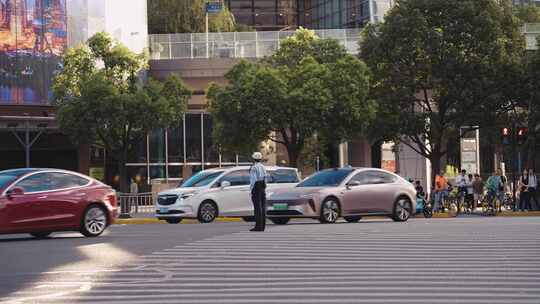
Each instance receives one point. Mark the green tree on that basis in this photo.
(309, 87)
(439, 65)
(186, 16)
(100, 98)
(532, 105)
(528, 13)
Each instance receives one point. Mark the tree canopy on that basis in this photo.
(186, 16)
(309, 87)
(528, 13)
(439, 65)
(100, 98)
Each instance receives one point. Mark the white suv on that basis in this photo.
(218, 192)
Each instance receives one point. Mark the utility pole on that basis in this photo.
(207, 44)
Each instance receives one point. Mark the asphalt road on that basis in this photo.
(459, 260)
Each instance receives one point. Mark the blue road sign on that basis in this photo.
(214, 7)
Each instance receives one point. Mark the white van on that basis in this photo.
(218, 192)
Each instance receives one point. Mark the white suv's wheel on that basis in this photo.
(94, 221)
(207, 212)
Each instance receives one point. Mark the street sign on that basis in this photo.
(214, 7)
(470, 149)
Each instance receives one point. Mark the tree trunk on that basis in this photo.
(293, 154)
(122, 171)
(435, 160)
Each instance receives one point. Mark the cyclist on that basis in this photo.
(419, 189)
(441, 185)
(502, 188)
(493, 186)
(462, 182)
(478, 189)
(469, 198)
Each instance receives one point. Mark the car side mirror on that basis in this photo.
(353, 184)
(225, 184)
(15, 191)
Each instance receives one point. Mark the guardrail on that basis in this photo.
(260, 44)
(136, 203)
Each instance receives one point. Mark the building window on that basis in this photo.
(175, 143)
(180, 151)
(193, 138)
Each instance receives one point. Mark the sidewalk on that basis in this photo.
(147, 218)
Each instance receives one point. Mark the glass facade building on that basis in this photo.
(328, 14)
(314, 14)
(180, 151)
(265, 14)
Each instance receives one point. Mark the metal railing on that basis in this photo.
(260, 44)
(236, 44)
(136, 203)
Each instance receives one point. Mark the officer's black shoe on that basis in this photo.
(256, 229)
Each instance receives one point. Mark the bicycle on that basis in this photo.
(424, 206)
(489, 208)
(451, 203)
(508, 202)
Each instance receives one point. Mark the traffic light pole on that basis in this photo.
(514, 159)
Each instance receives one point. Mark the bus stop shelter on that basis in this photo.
(27, 129)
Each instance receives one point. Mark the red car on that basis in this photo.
(42, 201)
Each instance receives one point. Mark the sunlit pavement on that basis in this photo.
(460, 260)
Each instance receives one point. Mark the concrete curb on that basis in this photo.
(152, 220)
(237, 219)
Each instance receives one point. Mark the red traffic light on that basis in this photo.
(522, 135)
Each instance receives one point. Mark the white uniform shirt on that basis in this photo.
(257, 173)
(532, 181)
(462, 181)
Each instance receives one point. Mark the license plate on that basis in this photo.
(163, 210)
(281, 207)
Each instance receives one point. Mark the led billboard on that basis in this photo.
(33, 35)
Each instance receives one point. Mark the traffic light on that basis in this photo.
(505, 135)
(522, 135)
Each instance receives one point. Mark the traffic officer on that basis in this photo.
(257, 184)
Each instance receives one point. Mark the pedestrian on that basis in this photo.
(523, 193)
(478, 189)
(133, 187)
(531, 188)
(441, 185)
(257, 184)
(133, 190)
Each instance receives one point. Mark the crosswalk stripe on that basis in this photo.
(385, 263)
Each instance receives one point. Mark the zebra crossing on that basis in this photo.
(462, 260)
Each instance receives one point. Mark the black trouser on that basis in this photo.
(532, 196)
(258, 197)
(524, 200)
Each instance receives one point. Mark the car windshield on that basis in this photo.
(201, 179)
(326, 178)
